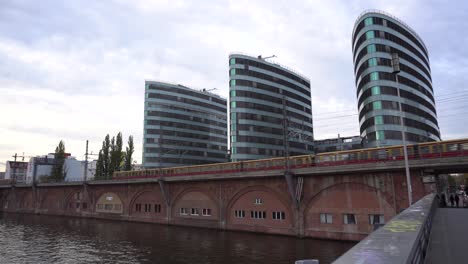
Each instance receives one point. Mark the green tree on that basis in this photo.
(128, 154)
(58, 170)
(99, 167)
(103, 162)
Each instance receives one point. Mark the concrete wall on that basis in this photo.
(360, 194)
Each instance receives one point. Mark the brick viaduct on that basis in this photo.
(247, 202)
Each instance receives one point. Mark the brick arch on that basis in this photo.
(8, 199)
(271, 199)
(148, 196)
(26, 201)
(200, 199)
(341, 198)
(116, 204)
(51, 200)
(71, 201)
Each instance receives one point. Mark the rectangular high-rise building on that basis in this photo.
(183, 126)
(270, 108)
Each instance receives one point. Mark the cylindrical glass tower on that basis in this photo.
(376, 35)
(263, 97)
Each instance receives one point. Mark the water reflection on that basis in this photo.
(49, 239)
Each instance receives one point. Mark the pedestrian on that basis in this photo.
(452, 200)
(457, 199)
(443, 202)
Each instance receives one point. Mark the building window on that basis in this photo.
(349, 219)
(375, 90)
(233, 82)
(77, 205)
(85, 205)
(376, 105)
(138, 207)
(258, 214)
(108, 207)
(157, 208)
(371, 48)
(233, 71)
(278, 215)
(375, 219)
(372, 62)
(380, 135)
(326, 218)
(233, 93)
(195, 211)
(239, 213)
(232, 61)
(99, 206)
(233, 104)
(374, 76)
(258, 201)
(368, 21)
(206, 212)
(147, 208)
(370, 34)
(233, 150)
(378, 120)
(183, 211)
(233, 138)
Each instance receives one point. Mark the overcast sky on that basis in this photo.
(75, 70)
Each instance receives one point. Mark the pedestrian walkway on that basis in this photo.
(449, 236)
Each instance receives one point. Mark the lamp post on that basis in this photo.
(396, 69)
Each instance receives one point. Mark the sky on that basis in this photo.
(75, 70)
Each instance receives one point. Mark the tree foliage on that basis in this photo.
(58, 170)
(112, 158)
(128, 154)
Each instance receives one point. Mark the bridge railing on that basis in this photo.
(402, 240)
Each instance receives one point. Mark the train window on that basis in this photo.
(464, 146)
(424, 150)
(452, 147)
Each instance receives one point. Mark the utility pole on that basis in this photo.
(396, 69)
(86, 163)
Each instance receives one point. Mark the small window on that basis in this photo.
(233, 104)
(183, 211)
(375, 90)
(99, 206)
(85, 205)
(233, 82)
(326, 218)
(380, 135)
(233, 72)
(278, 215)
(370, 34)
(258, 201)
(233, 138)
(375, 219)
(233, 93)
(195, 211)
(349, 219)
(374, 76)
(378, 120)
(372, 62)
(108, 207)
(239, 213)
(232, 61)
(206, 212)
(157, 208)
(376, 105)
(367, 22)
(371, 48)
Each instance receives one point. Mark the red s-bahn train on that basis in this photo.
(429, 150)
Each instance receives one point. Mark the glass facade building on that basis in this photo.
(376, 35)
(263, 96)
(183, 126)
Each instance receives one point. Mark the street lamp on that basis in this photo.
(396, 69)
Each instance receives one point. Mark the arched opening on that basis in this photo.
(148, 204)
(109, 203)
(195, 205)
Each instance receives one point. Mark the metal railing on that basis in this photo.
(402, 240)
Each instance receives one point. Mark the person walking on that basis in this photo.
(457, 199)
(452, 200)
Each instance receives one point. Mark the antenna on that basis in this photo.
(268, 57)
(207, 90)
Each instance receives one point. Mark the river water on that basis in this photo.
(26, 238)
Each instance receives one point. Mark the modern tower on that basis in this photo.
(183, 126)
(270, 110)
(376, 36)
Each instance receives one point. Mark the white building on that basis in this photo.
(41, 166)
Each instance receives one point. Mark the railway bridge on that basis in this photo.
(334, 201)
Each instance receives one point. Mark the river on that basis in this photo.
(26, 238)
